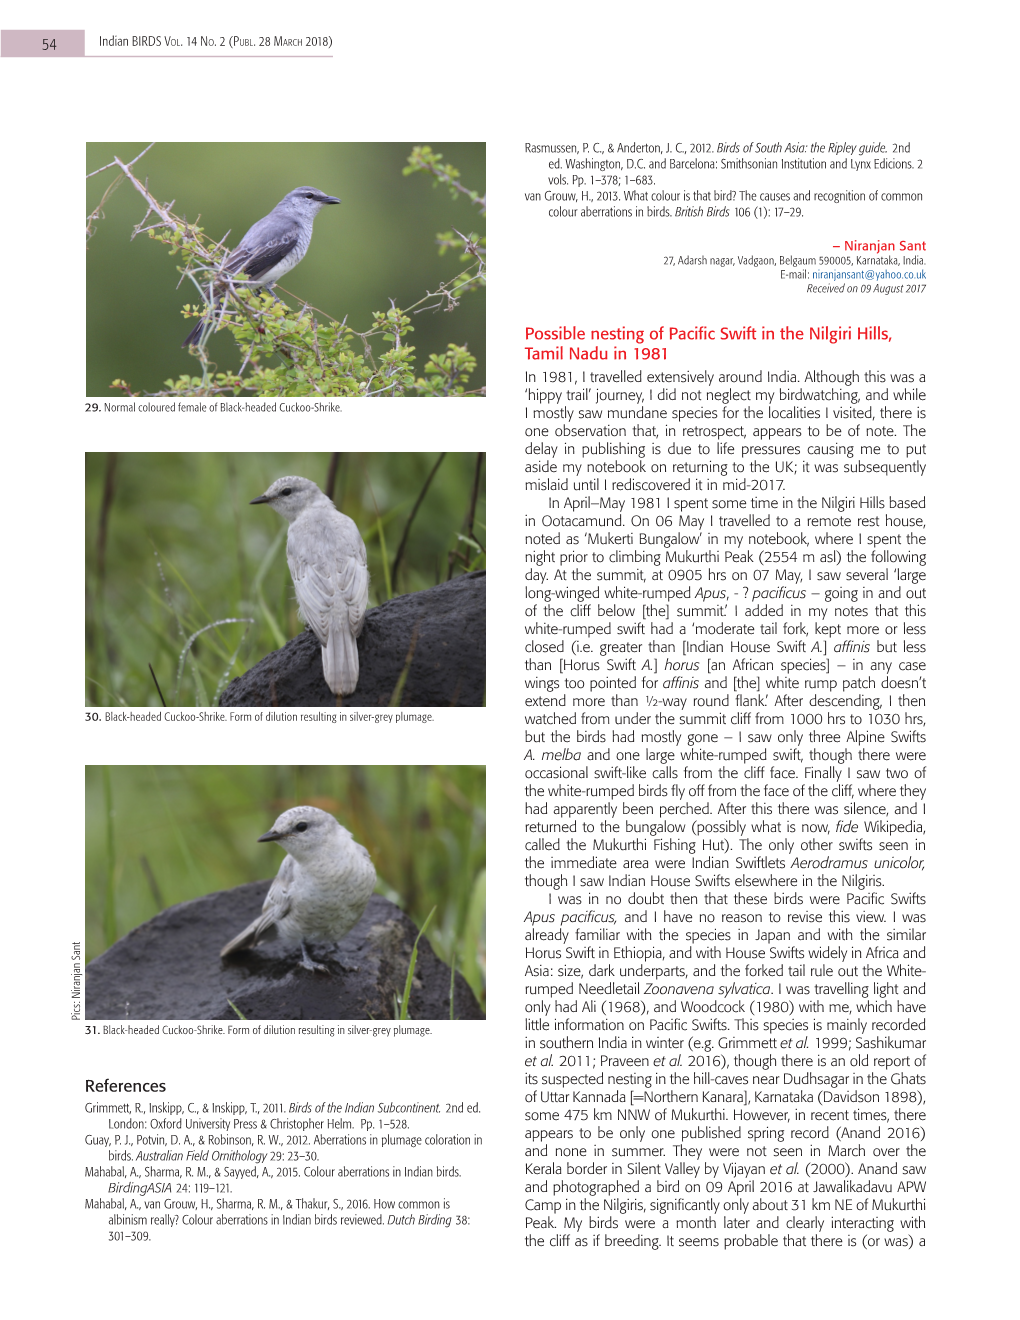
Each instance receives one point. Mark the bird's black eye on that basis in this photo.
(300, 827)
(288, 491)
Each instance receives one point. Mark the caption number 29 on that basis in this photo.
(92, 407)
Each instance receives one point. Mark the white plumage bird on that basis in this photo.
(329, 566)
(320, 891)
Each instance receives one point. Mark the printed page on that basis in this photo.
(726, 1034)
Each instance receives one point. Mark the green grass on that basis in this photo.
(183, 574)
(402, 1008)
(157, 835)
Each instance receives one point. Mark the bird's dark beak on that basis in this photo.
(272, 836)
(262, 499)
(331, 201)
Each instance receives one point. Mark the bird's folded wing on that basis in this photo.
(257, 254)
(314, 590)
(276, 906)
(352, 583)
(321, 590)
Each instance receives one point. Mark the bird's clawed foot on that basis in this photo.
(335, 961)
(309, 963)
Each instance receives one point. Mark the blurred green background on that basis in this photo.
(377, 245)
(157, 835)
(172, 545)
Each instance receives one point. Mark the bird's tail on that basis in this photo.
(198, 330)
(245, 940)
(340, 660)
(196, 334)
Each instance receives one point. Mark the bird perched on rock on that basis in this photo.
(320, 890)
(271, 248)
(329, 566)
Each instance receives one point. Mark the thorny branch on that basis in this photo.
(444, 176)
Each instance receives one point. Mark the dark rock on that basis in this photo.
(446, 624)
(170, 968)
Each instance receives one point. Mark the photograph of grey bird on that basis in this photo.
(271, 248)
(320, 890)
(329, 566)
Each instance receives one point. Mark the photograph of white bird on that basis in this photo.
(329, 565)
(320, 891)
